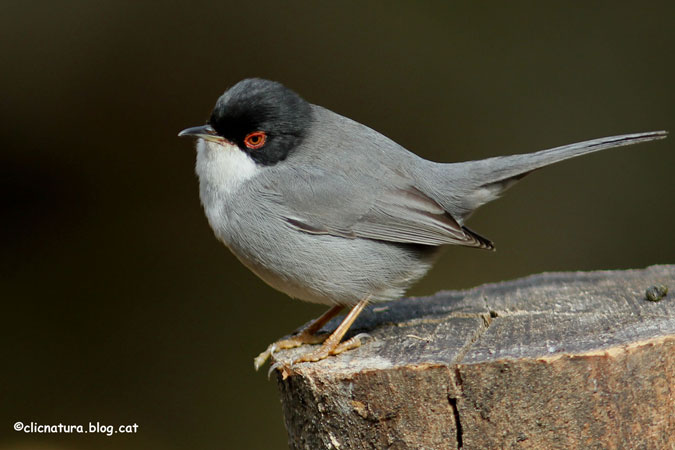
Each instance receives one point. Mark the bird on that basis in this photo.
(330, 211)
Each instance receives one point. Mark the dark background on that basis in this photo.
(119, 306)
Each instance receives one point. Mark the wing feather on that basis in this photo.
(401, 214)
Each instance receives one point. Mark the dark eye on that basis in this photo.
(255, 140)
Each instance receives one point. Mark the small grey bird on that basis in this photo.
(330, 211)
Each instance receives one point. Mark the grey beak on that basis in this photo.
(204, 132)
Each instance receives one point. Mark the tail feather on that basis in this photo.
(484, 180)
(505, 167)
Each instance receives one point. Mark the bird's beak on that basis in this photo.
(205, 132)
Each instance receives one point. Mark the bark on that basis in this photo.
(556, 360)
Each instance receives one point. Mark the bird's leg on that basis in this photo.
(306, 336)
(332, 345)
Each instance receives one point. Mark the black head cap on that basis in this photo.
(254, 105)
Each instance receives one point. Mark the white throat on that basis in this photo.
(224, 166)
(222, 169)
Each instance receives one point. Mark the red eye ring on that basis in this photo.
(255, 140)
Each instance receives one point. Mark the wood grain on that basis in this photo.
(556, 360)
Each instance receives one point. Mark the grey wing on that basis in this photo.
(360, 205)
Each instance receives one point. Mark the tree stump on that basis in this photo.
(556, 360)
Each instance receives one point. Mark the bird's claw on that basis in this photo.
(284, 368)
(260, 360)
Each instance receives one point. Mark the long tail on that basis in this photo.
(482, 181)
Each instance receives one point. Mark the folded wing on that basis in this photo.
(357, 206)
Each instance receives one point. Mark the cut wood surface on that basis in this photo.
(556, 360)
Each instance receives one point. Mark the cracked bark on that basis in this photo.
(458, 422)
(558, 360)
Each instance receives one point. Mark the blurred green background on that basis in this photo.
(119, 305)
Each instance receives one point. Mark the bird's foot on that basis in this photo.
(330, 349)
(323, 352)
(331, 345)
(284, 344)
